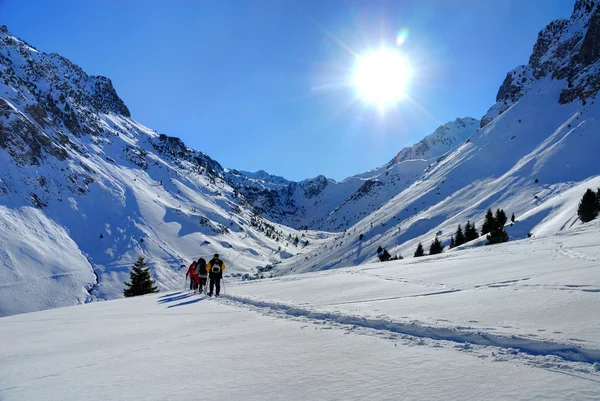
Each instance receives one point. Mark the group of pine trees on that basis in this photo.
(589, 206)
(493, 226)
(462, 237)
(385, 256)
(435, 248)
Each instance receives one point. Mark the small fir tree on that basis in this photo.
(385, 256)
(497, 236)
(512, 218)
(488, 222)
(436, 247)
(470, 232)
(379, 250)
(588, 206)
(140, 280)
(500, 219)
(420, 251)
(360, 237)
(459, 237)
(452, 243)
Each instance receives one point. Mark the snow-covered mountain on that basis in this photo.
(443, 139)
(324, 204)
(85, 189)
(534, 155)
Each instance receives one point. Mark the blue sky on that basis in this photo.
(261, 84)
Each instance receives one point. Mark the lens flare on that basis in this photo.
(402, 36)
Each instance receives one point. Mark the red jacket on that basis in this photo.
(191, 270)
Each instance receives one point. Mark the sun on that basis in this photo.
(382, 77)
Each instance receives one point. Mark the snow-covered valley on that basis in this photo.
(517, 321)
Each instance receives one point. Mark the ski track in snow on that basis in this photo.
(563, 358)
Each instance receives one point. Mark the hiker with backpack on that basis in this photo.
(191, 272)
(215, 273)
(201, 273)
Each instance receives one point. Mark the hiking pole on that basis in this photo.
(185, 280)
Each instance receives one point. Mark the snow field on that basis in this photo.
(179, 346)
(516, 321)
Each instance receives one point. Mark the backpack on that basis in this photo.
(201, 267)
(215, 266)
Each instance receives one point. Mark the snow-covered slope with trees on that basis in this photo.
(84, 189)
(83, 181)
(537, 142)
(324, 204)
(517, 321)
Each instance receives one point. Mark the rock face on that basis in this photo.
(566, 50)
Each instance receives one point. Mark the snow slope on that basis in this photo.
(39, 264)
(517, 324)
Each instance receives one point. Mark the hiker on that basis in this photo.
(215, 272)
(201, 273)
(191, 272)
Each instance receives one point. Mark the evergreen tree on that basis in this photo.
(385, 256)
(470, 232)
(588, 206)
(500, 219)
(512, 218)
(488, 222)
(459, 236)
(497, 236)
(436, 247)
(379, 250)
(419, 251)
(452, 243)
(141, 280)
(498, 233)
(360, 237)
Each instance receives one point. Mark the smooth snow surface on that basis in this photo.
(517, 321)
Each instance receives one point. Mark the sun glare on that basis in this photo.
(382, 77)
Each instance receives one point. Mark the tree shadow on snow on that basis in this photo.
(175, 298)
(193, 301)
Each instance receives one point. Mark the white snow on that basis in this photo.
(40, 265)
(517, 321)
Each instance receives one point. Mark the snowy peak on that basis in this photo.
(57, 84)
(260, 178)
(443, 139)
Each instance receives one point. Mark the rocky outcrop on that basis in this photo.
(563, 51)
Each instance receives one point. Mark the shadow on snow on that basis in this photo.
(192, 301)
